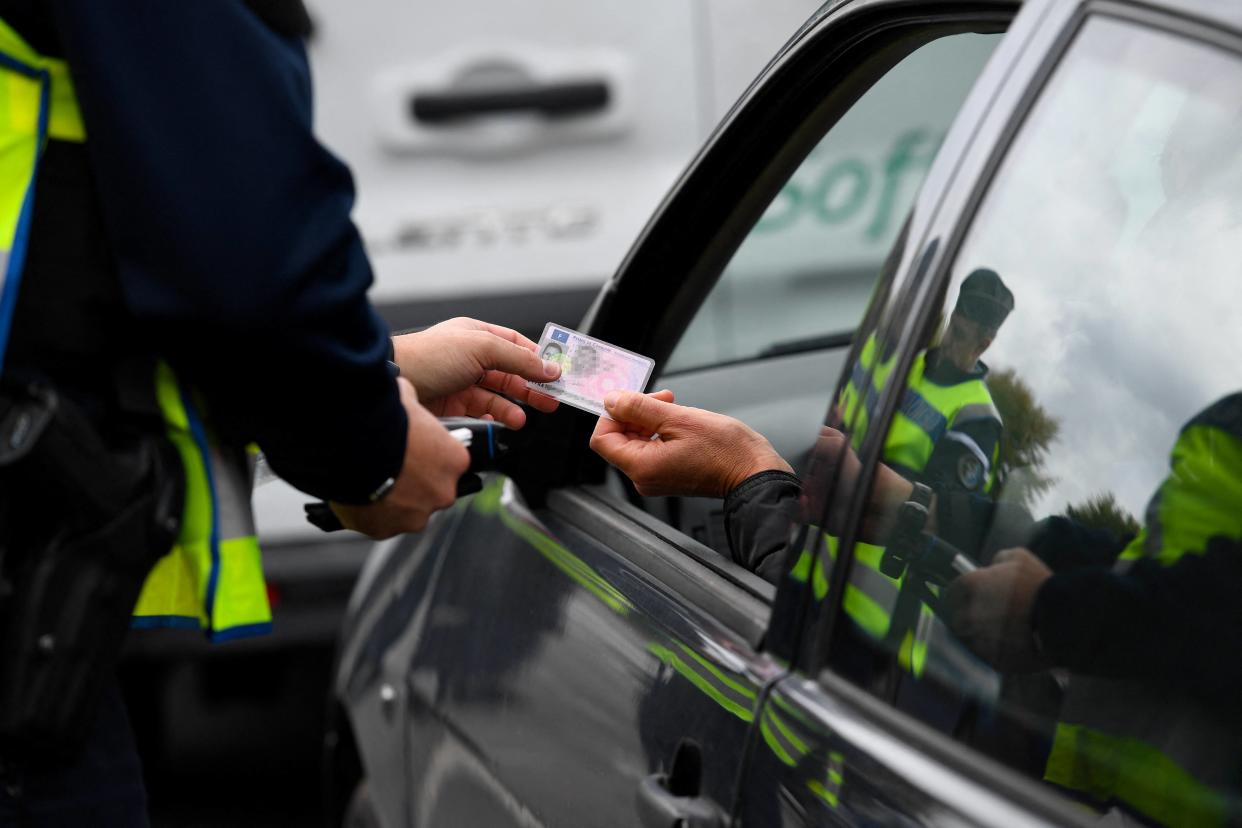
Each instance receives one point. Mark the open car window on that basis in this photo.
(1063, 599)
(769, 341)
(802, 277)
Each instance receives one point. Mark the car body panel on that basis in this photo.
(578, 648)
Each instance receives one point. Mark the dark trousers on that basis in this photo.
(99, 786)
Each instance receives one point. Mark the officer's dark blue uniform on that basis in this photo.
(201, 222)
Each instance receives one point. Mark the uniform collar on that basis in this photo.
(944, 372)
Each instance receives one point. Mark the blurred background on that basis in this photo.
(506, 156)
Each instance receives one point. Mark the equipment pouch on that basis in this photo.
(82, 521)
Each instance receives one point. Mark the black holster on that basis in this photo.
(83, 518)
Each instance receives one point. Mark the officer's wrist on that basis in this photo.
(372, 473)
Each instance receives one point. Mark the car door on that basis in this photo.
(557, 650)
(617, 672)
(1119, 281)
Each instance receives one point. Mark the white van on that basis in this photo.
(506, 154)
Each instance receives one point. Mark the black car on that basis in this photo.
(557, 650)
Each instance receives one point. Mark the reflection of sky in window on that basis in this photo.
(1126, 285)
(807, 268)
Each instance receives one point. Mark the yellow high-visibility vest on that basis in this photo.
(212, 577)
(927, 411)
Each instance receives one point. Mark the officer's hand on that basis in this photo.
(693, 453)
(462, 367)
(433, 463)
(990, 610)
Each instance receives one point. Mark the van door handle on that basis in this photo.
(552, 100)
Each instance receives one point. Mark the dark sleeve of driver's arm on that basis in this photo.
(230, 224)
(759, 514)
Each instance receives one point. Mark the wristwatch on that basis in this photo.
(922, 495)
(381, 490)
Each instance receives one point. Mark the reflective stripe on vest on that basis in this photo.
(928, 411)
(1157, 750)
(212, 578)
(862, 391)
(36, 101)
(871, 596)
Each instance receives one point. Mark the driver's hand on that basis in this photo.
(669, 449)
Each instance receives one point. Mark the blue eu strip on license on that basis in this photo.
(590, 368)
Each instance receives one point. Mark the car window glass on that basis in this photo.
(803, 276)
(1067, 603)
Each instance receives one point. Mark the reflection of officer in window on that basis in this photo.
(947, 402)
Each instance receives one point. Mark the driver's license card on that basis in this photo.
(590, 368)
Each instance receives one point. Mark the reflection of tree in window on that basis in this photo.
(1102, 511)
(1029, 430)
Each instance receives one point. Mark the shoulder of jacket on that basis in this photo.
(285, 17)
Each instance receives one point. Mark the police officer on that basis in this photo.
(947, 430)
(945, 434)
(179, 264)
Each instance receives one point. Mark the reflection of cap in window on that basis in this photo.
(984, 298)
